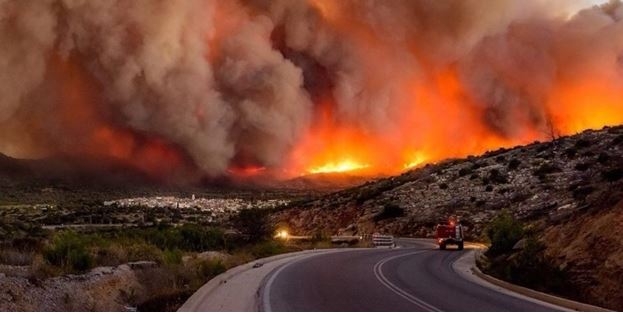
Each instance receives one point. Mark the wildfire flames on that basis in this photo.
(289, 88)
(345, 165)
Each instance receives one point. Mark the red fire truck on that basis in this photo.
(450, 233)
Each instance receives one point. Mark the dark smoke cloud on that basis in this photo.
(238, 82)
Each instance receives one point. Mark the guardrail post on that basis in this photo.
(381, 240)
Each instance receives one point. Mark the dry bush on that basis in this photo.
(238, 258)
(10, 256)
(143, 252)
(168, 286)
(112, 255)
(40, 269)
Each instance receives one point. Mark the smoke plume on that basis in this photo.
(297, 86)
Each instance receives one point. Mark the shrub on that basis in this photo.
(254, 224)
(464, 171)
(503, 232)
(15, 257)
(268, 248)
(172, 257)
(531, 268)
(612, 175)
(603, 158)
(583, 166)
(520, 196)
(68, 251)
(581, 192)
(513, 164)
(570, 152)
(390, 211)
(443, 186)
(477, 165)
(211, 268)
(588, 153)
(545, 169)
(141, 251)
(319, 236)
(197, 238)
(114, 254)
(582, 143)
(497, 177)
(543, 147)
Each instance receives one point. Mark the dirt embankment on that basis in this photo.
(128, 287)
(102, 289)
(588, 248)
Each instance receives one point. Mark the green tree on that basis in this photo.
(254, 224)
(504, 231)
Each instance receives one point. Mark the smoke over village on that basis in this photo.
(288, 88)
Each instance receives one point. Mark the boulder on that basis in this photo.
(520, 245)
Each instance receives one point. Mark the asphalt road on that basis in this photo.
(417, 278)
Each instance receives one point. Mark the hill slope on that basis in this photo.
(569, 191)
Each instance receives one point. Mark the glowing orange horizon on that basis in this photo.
(343, 166)
(440, 123)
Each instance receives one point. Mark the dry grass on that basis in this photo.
(15, 257)
(40, 269)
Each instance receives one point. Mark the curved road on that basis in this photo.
(417, 278)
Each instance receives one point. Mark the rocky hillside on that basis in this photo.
(569, 191)
(549, 182)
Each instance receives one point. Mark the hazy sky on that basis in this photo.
(590, 2)
(582, 4)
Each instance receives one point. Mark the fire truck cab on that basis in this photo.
(450, 233)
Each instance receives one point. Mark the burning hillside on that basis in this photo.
(286, 88)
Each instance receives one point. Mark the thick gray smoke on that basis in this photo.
(240, 82)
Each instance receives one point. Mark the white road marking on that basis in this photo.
(265, 306)
(265, 292)
(378, 272)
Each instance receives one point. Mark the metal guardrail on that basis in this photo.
(382, 240)
(345, 239)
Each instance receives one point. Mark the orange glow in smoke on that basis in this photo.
(248, 171)
(97, 137)
(435, 118)
(441, 122)
(587, 104)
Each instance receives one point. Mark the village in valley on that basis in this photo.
(137, 211)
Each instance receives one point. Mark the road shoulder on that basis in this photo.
(466, 267)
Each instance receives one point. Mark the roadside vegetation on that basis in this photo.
(517, 255)
(170, 261)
